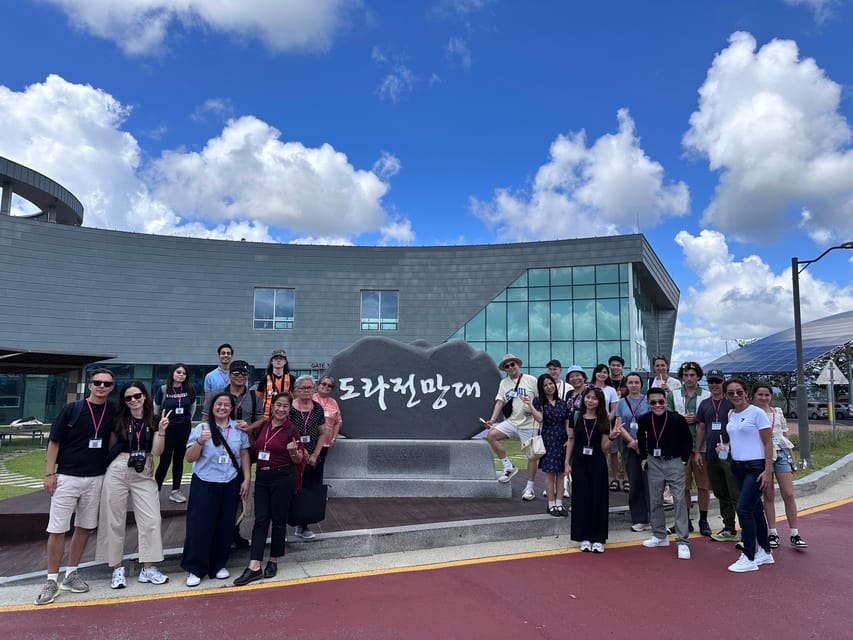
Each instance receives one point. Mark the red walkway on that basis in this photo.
(629, 592)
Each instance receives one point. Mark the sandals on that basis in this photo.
(614, 485)
(626, 486)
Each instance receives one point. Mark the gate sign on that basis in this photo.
(390, 390)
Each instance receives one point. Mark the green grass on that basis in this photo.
(825, 449)
(513, 451)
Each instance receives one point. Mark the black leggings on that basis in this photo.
(173, 453)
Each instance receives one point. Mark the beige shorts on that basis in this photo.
(511, 431)
(75, 495)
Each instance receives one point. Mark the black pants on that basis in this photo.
(273, 492)
(174, 450)
(211, 510)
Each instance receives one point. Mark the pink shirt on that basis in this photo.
(331, 411)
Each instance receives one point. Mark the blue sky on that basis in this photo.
(721, 130)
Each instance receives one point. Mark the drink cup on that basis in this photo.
(723, 452)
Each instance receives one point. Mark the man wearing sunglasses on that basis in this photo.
(74, 473)
(665, 447)
(519, 391)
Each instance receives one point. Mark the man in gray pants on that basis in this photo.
(665, 447)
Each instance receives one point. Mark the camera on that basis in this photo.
(136, 461)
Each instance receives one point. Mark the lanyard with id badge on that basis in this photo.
(656, 452)
(264, 454)
(716, 425)
(96, 442)
(587, 450)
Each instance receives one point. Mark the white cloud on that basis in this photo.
(822, 9)
(399, 79)
(397, 231)
(245, 183)
(458, 8)
(769, 122)
(586, 191)
(457, 49)
(737, 299)
(141, 27)
(219, 107)
(387, 166)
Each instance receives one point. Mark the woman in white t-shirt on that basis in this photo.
(752, 465)
(783, 468)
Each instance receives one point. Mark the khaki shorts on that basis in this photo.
(511, 431)
(697, 473)
(75, 494)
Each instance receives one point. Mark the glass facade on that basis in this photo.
(579, 315)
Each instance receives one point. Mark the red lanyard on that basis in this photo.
(138, 434)
(176, 391)
(589, 432)
(632, 408)
(716, 409)
(271, 434)
(662, 429)
(92, 413)
(223, 375)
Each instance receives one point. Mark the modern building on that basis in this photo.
(149, 301)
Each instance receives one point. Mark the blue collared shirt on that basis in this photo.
(208, 467)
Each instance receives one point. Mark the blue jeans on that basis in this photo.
(750, 509)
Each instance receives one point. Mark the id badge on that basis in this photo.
(223, 459)
(96, 443)
(179, 411)
(716, 426)
(305, 439)
(263, 455)
(656, 453)
(587, 451)
(326, 414)
(633, 426)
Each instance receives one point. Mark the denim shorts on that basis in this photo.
(784, 462)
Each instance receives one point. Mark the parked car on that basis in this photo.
(843, 411)
(816, 411)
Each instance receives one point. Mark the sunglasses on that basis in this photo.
(654, 403)
(325, 384)
(735, 394)
(133, 396)
(242, 374)
(510, 365)
(101, 383)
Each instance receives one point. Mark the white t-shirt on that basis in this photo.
(521, 417)
(611, 397)
(743, 433)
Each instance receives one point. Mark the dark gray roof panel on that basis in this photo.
(777, 353)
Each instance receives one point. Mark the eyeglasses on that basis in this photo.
(102, 383)
(133, 396)
(305, 388)
(654, 403)
(242, 374)
(735, 393)
(222, 405)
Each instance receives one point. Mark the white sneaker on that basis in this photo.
(528, 494)
(683, 552)
(152, 575)
(762, 557)
(193, 580)
(743, 564)
(222, 574)
(654, 541)
(177, 496)
(586, 546)
(118, 581)
(507, 475)
(597, 547)
(640, 526)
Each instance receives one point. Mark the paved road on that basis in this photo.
(629, 592)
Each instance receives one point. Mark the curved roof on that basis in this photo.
(55, 202)
(777, 353)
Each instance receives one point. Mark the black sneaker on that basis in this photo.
(248, 575)
(705, 528)
(690, 526)
(773, 540)
(271, 569)
(798, 543)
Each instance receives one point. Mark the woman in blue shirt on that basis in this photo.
(628, 410)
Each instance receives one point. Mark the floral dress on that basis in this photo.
(554, 435)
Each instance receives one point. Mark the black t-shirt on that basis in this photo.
(181, 403)
(75, 457)
(246, 406)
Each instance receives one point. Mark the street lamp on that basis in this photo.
(802, 401)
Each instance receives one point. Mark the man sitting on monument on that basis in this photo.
(517, 390)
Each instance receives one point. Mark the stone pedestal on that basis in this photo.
(413, 469)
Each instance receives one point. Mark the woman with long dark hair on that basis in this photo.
(278, 476)
(586, 461)
(219, 453)
(751, 454)
(178, 397)
(552, 413)
(631, 407)
(134, 441)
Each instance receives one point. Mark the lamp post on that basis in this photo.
(802, 401)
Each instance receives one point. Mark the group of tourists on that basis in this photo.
(101, 455)
(666, 440)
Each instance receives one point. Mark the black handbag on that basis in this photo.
(507, 408)
(308, 506)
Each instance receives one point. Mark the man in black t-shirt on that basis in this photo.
(74, 473)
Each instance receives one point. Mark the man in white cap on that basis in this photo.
(517, 390)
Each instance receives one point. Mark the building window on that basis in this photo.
(379, 310)
(274, 308)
